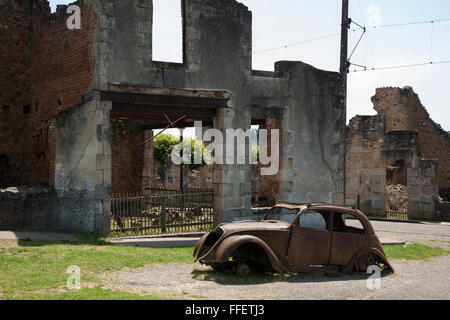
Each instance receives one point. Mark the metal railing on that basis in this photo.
(397, 205)
(162, 211)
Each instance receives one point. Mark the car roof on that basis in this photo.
(323, 206)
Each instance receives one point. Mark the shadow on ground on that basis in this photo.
(83, 239)
(227, 277)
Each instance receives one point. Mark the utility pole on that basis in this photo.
(345, 25)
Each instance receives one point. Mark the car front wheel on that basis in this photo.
(243, 269)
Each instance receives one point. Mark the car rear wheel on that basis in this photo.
(364, 261)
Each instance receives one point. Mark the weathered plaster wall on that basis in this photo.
(217, 55)
(305, 101)
(83, 166)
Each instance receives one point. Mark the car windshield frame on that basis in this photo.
(294, 208)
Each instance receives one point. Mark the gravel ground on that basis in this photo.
(424, 279)
(413, 280)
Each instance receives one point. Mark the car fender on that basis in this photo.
(230, 244)
(199, 244)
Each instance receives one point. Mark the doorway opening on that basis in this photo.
(265, 188)
(150, 195)
(396, 190)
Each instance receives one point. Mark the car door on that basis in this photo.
(348, 236)
(310, 241)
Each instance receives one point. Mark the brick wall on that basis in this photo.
(15, 85)
(48, 68)
(127, 155)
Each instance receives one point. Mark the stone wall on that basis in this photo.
(443, 211)
(422, 190)
(217, 55)
(387, 148)
(169, 177)
(404, 111)
(114, 47)
(365, 172)
(30, 208)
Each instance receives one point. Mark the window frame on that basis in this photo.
(364, 228)
(327, 224)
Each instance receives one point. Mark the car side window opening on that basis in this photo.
(313, 220)
(347, 223)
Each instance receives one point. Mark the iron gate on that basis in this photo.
(396, 204)
(162, 211)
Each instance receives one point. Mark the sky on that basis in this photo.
(277, 23)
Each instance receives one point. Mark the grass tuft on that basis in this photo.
(414, 251)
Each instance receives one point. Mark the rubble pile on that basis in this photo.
(397, 198)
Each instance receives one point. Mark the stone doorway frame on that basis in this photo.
(155, 103)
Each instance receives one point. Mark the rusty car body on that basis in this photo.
(317, 235)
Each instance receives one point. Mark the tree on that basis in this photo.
(164, 143)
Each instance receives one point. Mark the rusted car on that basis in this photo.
(295, 238)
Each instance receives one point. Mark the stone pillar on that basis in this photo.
(147, 170)
(287, 173)
(83, 167)
(231, 188)
(422, 190)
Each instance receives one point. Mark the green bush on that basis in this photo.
(162, 147)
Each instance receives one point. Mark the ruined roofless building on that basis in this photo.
(402, 146)
(62, 92)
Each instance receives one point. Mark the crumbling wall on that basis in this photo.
(404, 111)
(306, 102)
(217, 51)
(385, 149)
(48, 69)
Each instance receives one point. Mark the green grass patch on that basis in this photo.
(35, 266)
(86, 294)
(414, 251)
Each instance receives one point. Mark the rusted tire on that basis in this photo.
(243, 270)
(364, 261)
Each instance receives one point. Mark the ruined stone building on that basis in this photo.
(401, 145)
(75, 104)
